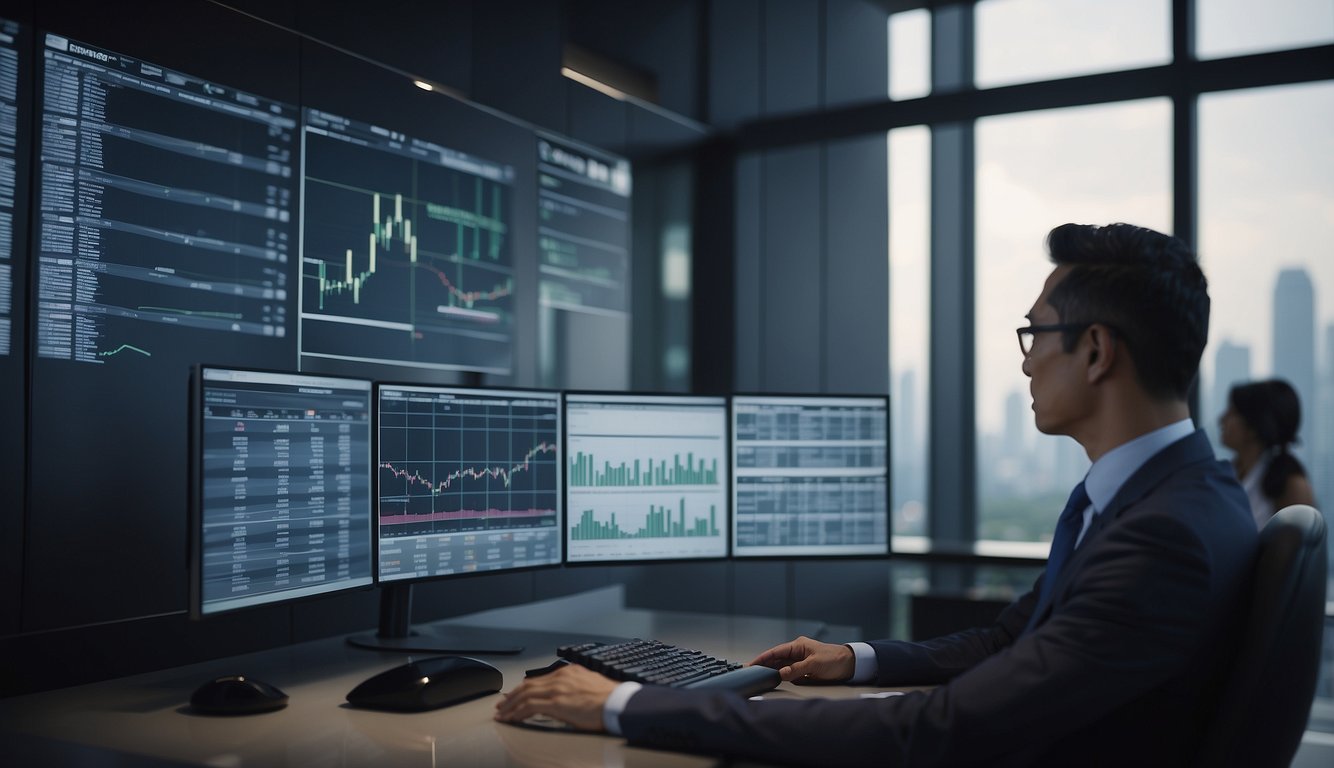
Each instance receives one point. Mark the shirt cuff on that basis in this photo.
(867, 666)
(615, 705)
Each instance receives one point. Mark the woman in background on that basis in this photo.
(1259, 425)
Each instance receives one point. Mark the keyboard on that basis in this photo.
(655, 663)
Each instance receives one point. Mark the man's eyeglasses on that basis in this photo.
(1026, 334)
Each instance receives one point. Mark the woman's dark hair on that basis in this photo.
(1273, 411)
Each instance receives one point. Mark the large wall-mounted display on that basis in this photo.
(274, 204)
(407, 250)
(167, 207)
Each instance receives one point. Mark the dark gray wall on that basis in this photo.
(805, 251)
(811, 250)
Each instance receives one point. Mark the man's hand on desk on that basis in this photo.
(809, 661)
(572, 693)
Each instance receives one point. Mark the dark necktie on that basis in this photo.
(1063, 541)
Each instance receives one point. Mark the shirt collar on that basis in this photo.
(1115, 467)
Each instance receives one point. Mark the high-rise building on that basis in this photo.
(1232, 365)
(1319, 432)
(1294, 341)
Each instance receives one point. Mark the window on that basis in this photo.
(909, 324)
(1266, 227)
(1233, 27)
(910, 54)
(1089, 165)
(1021, 41)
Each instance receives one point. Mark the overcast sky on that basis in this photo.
(1266, 168)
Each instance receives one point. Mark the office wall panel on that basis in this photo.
(761, 588)
(749, 245)
(428, 40)
(596, 118)
(793, 58)
(516, 63)
(16, 159)
(734, 61)
(681, 587)
(106, 528)
(660, 39)
(856, 52)
(791, 275)
(852, 592)
(856, 292)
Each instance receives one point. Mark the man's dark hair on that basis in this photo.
(1147, 287)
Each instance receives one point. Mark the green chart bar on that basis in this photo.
(642, 473)
(658, 525)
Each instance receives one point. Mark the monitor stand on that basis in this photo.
(396, 633)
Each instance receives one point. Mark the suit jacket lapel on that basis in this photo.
(1188, 450)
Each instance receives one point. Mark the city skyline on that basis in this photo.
(1018, 462)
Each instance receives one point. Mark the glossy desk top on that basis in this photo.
(145, 719)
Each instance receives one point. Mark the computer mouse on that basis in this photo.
(427, 684)
(236, 695)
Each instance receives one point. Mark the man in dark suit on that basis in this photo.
(1113, 655)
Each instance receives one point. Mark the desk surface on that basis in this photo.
(144, 719)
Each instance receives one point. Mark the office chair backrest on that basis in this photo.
(1266, 698)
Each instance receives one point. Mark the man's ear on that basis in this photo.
(1103, 351)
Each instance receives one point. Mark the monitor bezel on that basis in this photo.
(889, 470)
(727, 483)
(375, 478)
(195, 490)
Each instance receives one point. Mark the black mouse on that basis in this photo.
(426, 684)
(236, 695)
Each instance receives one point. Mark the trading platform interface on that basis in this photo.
(167, 208)
(469, 480)
(584, 232)
(810, 476)
(646, 477)
(285, 498)
(406, 250)
(9, 128)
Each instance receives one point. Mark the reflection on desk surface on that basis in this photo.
(144, 719)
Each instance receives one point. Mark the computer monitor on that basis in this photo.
(403, 234)
(810, 476)
(281, 488)
(646, 477)
(468, 481)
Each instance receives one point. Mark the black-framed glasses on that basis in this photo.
(1027, 333)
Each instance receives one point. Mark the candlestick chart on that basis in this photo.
(406, 254)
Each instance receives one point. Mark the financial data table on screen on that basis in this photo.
(285, 476)
(646, 477)
(469, 480)
(810, 476)
(584, 233)
(167, 208)
(10, 67)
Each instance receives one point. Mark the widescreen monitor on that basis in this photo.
(810, 476)
(646, 477)
(282, 488)
(468, 481)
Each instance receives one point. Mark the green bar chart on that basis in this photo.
(646, 477)
(585, 472)
(660, 522)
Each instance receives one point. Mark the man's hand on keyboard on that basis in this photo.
(572, 694)
(809, 661)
